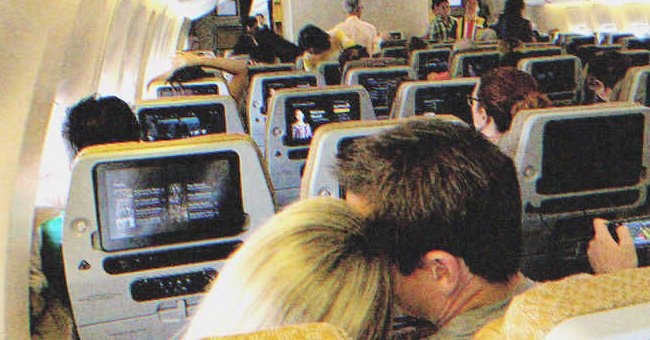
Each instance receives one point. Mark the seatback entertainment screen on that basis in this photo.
(270, 85)
(432, 62)
(591, 154)
(445, 100)
(475, 66)
(188, 90)
(176, 122)
(163, 201)
(555, 76)
(382, 87)
(304, 115)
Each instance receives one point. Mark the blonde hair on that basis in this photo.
(309, 263)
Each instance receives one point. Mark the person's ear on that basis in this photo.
(445, 269)
(481, 118)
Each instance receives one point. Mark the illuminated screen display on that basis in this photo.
(640, 231)
(270, 85)
(445, 100)
(171, 200)
(592, 153)
(188, 90)
(432, 62)
(475, 66)
(178, 122)
(304, 115)
(555, 76)
(382, 88)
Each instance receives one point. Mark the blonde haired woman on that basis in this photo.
(309, 263)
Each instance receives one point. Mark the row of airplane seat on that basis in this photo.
(138, 257)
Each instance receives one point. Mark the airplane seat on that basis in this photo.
(319, 178)
(262, 87)
(473, 63)
(265, 68)
(318, 330)
(635, 87)
(394, 43)
(604, 306)
(370, 62)
(637, 57)
(431, 60)
(331, 72)
(184, 117)
(426, 98)
(587, 52)
(148, 226)
(199, 87)
(537, 51)
(559, 77)
(572, 43)
(573, 164)
(381, 84)
(400, 52)
(295, 115)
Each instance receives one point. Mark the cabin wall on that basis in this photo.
(596, 16)
(54, 53)
(412, 20)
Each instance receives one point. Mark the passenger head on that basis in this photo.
(311, 262)
(249, 24)
(314, 40)
(99, 121)
(187, 73)
(440, 7)
(604, 71)
(501, 94)
(437, 186)
(514, 7)
(353, 7)
(355, 52)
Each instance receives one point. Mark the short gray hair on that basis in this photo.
(352, 6)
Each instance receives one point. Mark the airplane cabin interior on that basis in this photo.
(146, 226)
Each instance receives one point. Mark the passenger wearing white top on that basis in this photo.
(363, 33)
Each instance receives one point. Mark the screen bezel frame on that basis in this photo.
(142, 113)
(288, 140)
(166, 239)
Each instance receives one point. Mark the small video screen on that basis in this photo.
(269, 86)
(305, 115)
(555, 76)
(592, 154)
(475, 66)
(382, 87)
(178, 122)
(450, 100)
(429, 62)
(188, 90)
(168, 200)
(396, 52)
(640, 231)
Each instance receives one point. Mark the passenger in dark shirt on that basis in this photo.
(512, 24)
(264, 45)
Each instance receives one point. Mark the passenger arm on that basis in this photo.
(238, 68)
(605, 254)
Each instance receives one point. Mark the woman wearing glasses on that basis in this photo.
(501, 94)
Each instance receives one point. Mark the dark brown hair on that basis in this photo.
(505, 90)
